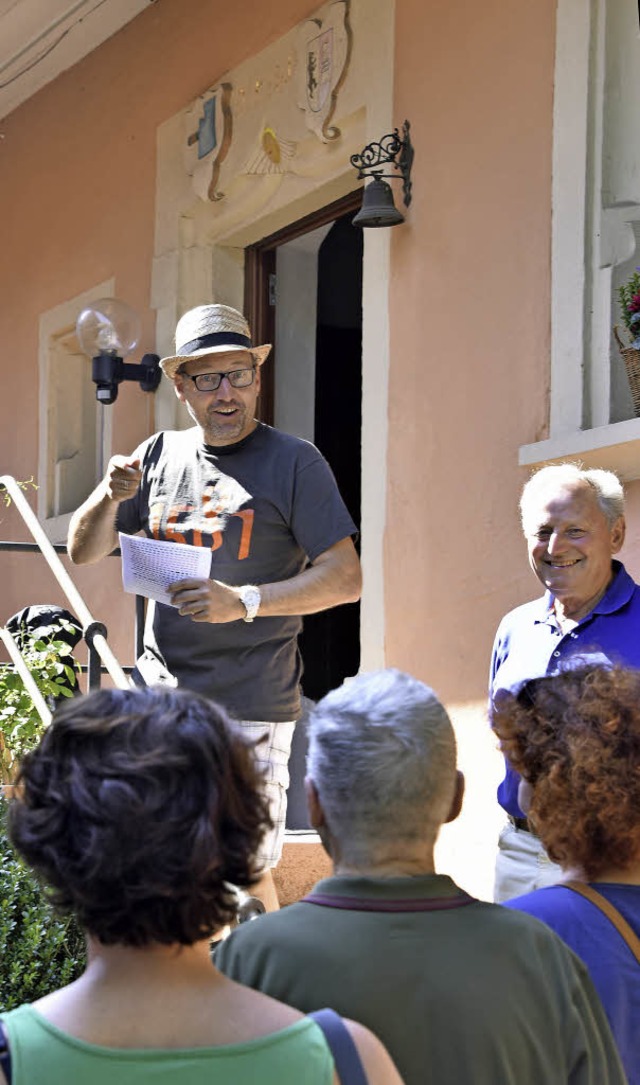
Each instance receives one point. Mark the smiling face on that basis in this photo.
(228, 414)
(571, 544)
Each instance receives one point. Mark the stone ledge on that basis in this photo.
(615, 447)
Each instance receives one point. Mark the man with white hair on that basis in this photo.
(267, 507)
(573, 522)
(460, 991)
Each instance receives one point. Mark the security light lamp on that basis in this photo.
(108, 330)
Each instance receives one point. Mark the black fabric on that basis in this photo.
(522, 824)
(43, 621)
(40, 618)
(214, 339)
(5, 1054)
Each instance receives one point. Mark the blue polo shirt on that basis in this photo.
(529, 644)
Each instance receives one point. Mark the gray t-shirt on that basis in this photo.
(265, 506)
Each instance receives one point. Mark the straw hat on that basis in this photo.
(211, 329)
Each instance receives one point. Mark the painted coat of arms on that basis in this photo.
(324, 45)
(209, 131)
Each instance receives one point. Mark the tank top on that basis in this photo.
(40, 1052)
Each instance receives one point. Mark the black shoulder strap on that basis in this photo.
(345, 1053)
(5, 1054)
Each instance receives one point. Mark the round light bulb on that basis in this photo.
(108, 326)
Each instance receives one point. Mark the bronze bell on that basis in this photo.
(378, 208)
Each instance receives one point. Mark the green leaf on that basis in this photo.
(39, 950)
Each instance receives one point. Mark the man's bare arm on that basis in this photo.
(92, 531)
(333, 578)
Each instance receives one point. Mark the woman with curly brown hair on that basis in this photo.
(140, 809)
(575, 739)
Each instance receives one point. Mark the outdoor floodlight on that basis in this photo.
(108, 330)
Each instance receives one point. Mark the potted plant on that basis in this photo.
(629, 299)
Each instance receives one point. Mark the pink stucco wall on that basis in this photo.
(77, 189)
(470, 328)
(469, 298)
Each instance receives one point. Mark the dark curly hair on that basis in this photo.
(139, 809)
(575, 736)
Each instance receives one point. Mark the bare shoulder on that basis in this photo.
(378, 1064)
(255, 1014)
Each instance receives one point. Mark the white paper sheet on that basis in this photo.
(150, 565)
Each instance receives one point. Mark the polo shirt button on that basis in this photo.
(556, 653)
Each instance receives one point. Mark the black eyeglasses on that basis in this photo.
(209, 382)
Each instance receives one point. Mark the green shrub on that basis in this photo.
(50, 661)
(39, 950)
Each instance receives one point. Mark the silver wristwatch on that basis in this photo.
(250, 597)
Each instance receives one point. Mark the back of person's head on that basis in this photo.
(552, 480)
(382, 756)
(139, 809)
(575, 737)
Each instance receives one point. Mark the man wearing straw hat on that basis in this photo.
(267, 506)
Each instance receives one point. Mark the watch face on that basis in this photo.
(251, 599)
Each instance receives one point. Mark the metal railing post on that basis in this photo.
(39, 702)
(91, 628)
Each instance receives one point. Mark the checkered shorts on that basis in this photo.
(272, 753)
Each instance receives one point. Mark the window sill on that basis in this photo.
(56, 527)
(615, 447)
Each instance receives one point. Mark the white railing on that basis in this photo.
(94, 632)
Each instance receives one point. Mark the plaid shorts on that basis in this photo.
(272, 753)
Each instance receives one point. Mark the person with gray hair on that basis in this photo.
(606, 486)
(573, 522)
(459, 990)
(402, 786)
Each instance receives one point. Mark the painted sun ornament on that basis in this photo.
(273, 154)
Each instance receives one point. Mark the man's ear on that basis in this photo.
(458, 796)
(314, 808)
(618, 532)
(177, 387)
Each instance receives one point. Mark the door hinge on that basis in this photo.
(272, 289)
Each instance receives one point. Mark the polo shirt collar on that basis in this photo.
(616, 596)
(384, 888)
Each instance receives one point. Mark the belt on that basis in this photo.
(521, 823)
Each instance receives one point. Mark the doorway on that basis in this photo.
(304, 295)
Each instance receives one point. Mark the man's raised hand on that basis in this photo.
(123, 477)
